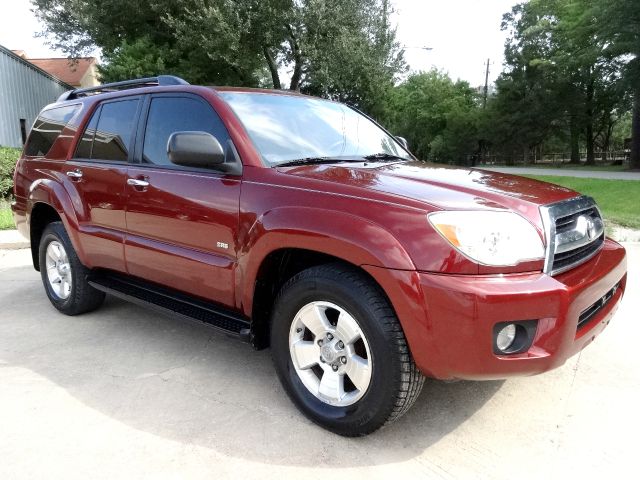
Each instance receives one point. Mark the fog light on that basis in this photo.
(506, 337)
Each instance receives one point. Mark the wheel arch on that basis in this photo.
(302, 237)
(48, 202)
(275, 270)
(42, 214)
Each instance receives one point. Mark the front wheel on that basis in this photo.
(340, 352)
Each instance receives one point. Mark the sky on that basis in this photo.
(462, 34)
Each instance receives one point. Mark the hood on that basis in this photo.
(441, 186)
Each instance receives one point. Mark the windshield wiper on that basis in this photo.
(314, 160)
(382, 156)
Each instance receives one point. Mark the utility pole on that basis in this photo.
(486, 83)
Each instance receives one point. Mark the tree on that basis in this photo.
(617, 26)
(343, 49)
(529, 102)
(436, 115)
(123, 30)
(557, 65)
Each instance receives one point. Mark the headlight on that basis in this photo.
(488, 237)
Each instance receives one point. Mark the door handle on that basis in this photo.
(75, 174)
(134, 182)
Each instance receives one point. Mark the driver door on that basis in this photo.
(181, 221)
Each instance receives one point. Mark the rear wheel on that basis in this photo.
(63, 276)
(340, 352)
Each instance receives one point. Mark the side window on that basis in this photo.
(47, 128)
(114, 130)
(177, 114)
(86, 142)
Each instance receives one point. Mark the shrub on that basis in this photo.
(8, 158)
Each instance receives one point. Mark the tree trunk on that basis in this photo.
(591, 153)
(297, 69)
(591, 156)
(606, 142)
(635, 131)
(575, 139)
(273, 68)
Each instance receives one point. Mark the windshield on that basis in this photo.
(286, 128)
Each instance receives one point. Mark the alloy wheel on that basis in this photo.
(330, 353)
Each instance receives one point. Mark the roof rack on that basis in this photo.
(160, 81)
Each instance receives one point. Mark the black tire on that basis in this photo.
(83, 297)
(395, 381)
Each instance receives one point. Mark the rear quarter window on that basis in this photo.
(47, 128)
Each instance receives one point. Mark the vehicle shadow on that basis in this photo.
(185, 382)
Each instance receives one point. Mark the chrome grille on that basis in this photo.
(574, 232)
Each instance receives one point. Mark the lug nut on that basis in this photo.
(329, 337)
(298, 330)
(340, 345)
(321, 359)
(343, 360)
(335, 368)
(319, 343)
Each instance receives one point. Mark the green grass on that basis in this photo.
(619, 200)
(6, 217)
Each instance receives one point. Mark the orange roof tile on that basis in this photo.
(68, 71)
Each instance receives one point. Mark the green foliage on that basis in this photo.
(342, 49)
(572, 67)
(141, 58)
(6, 217)
(8, 158)
(616, 24)
(561, 82)
(621, 131)
(437, 116)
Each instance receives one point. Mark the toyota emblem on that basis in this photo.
(591, 229)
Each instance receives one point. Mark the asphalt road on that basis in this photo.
(125, 393)
(564, 172)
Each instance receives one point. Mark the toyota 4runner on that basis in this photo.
(300, 224)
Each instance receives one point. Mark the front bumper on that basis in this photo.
(455, 339)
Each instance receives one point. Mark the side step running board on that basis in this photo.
(172, 303)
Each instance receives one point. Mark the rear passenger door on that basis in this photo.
(98, 171)
(181, 221)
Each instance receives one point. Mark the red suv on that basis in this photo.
(300, 224)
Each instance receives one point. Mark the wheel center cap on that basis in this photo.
(328, 353)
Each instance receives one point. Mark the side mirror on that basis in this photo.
(195, 149)
(403, 141)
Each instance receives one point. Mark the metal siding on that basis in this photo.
(24, 91)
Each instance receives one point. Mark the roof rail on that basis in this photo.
(160, 81)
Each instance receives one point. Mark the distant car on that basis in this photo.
(300, 223)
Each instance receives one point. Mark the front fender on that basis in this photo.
(348, 237)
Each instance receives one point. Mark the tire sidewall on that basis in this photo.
(52, 233)
(377, 403)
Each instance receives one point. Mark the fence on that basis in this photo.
(618, 157)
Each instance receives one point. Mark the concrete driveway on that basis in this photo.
(125, 393)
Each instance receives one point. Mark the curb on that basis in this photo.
(12, 240)
(14, 246)
(625, 235)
